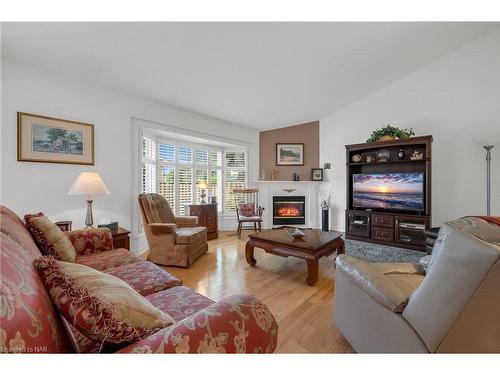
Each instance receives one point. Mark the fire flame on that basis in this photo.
(288, 211)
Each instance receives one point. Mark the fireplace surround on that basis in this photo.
(289, 210)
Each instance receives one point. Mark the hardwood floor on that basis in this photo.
(304, 313)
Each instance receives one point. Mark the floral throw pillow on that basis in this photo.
(102, 307)
(49, 238)
(247, 209)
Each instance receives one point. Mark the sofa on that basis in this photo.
(29, 323)
(173, 240)
(452, 308)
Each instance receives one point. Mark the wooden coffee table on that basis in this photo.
(312, 247)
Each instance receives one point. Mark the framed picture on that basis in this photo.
(289, 154)
(53, 140)
(317, 174)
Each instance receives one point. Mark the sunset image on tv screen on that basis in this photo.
(399, 191)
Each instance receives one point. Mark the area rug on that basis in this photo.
(379, 253)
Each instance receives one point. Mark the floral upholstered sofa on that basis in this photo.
(29, 323)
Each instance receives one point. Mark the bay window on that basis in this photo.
(175, 169)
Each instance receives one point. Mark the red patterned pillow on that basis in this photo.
(247, 209)
(102, 307)
(49, 238)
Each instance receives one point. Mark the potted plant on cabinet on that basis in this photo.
(390, 133)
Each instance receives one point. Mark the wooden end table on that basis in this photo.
(315, 245)
(121, 239)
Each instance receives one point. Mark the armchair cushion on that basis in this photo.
(237, 324)
(91, 240)
(108, 259)
(189, 235)
(102, 307)
(50, 238)
(159, 228)
(186, 221)
(389, 284)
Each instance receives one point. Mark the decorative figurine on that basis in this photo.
(356, 158)
(417, 155)
(401, 155)
(383, 155)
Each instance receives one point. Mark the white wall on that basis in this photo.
(32, 187)
(456, 99)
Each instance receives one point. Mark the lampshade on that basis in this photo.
(203, 185)
(88, 183)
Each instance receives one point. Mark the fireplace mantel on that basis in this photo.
(309, 189)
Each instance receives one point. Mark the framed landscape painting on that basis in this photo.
(289, 154)
(54, 140)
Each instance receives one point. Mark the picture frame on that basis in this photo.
(289, 154)
(46, 139)
(317, 174)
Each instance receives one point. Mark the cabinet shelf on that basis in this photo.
(388, 162)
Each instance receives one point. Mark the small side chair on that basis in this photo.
(248, 210)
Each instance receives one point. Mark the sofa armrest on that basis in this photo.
(91, 240)
(237, 324)
(391, 289)
(186, 221)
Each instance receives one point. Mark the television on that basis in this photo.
(389, 191)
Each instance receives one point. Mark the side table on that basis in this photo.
(121, 239)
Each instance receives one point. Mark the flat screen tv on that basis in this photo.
(389, 191)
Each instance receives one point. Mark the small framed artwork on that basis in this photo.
(317, 174)
(289, 154)
(53, 140)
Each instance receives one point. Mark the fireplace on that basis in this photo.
(289, 210)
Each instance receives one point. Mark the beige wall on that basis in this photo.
(304, 133)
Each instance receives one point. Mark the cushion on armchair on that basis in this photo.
(102, 307)
(50, 239)
(189, 235)
(389, 284)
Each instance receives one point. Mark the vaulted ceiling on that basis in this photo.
(261, 75)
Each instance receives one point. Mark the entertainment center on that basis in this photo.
(389, 192)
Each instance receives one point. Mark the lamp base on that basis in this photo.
(89, 219)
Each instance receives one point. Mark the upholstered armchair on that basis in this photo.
(452, 308)
(173, 240)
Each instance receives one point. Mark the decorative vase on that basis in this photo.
(325, 227)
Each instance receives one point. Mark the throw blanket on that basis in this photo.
(491, 219)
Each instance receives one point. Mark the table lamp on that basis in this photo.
(203, 186)
(88, 183)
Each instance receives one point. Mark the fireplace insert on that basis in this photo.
(289, 210)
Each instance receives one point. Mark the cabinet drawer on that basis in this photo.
(383, 234)
(384, 221)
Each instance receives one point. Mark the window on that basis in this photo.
(176, 170)
(235, 176)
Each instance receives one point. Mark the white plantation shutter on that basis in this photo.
(166, 152)
(167, 184)
(215, 187)
(184, 189)
(201, 157)
(185, 155)
(235, 176)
